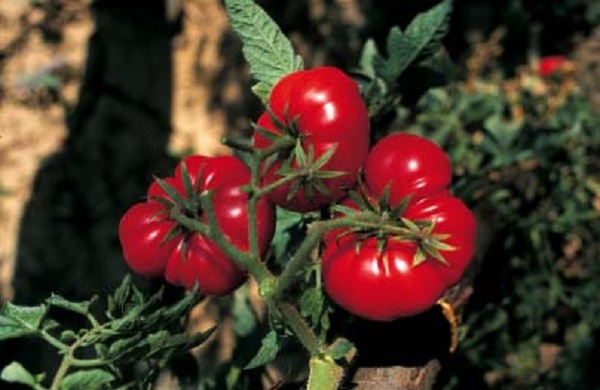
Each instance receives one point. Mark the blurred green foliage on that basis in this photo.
(525, 153)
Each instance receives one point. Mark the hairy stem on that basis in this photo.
(252, 264)
(298, 325)
(279, 145)
(302, 257)
(252, 205)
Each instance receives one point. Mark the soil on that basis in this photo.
(42, 56)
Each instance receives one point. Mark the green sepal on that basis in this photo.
(177, 198)
(268, 351)
(384, 199)
(264, 132)
(398, 210)
(187, 182)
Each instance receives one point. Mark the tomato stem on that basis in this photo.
(286, 179)
(238, 143)
(298, 325)
(252, 204)
(251, 263)
(279, 145)
(302, 257)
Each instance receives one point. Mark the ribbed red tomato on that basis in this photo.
(386, 276)
(322, 108)
(190, 257)
(198, 259)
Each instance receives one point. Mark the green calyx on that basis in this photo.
(376, 218)
(301, 166)
(188, 205)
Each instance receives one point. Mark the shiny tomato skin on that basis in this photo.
(199, 260)
(327, 109)
(380, 286)
(411, 165)
(214, 172)
(142, 232)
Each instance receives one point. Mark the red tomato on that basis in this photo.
(380, 286)
(143, 231)
(199, 260)
(193, 258)
(324, 108)
(550, 64)
(410, 165)
(384, 282)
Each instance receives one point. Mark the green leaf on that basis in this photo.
(369, 52)
(123, 346)
(342, 349)
(124, 297)
(243, 316)
(16, 373)
(422, 36)
(311, 304)
(82, 308)
(505, 132)
(267, 352)
(289, 230)
(68, 335)
(262, 90)
(267, 50)
(160, 344)
(87, 379)
(18, 321)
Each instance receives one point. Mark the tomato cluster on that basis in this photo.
(409, 238)
(154, 244)
(423, 243)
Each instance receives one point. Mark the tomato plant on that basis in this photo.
(323, 111)
(391, 249)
